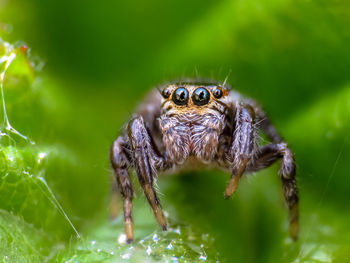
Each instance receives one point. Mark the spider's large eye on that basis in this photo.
(166, 93)
(180, 96)
(217, 92)
(200, 97)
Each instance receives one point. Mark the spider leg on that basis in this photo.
(114, 205)
(120, 163)
(242, 147)
(146, 163)
(266, 156)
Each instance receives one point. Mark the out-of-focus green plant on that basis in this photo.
(293, 57)
(29, 208)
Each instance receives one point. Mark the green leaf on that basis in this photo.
(24, 190)
(106, 242)
(21, 242)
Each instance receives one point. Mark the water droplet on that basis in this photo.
(93, 242)
(170, 246)
(41, 156)
(126, 255)
(155, 238)
(149, 250)
(177, 231)
(203, 257)
(122, 239)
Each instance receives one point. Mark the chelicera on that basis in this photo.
(191, 124)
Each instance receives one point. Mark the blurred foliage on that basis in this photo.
(102, 57)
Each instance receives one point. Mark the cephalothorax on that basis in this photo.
(194, 124)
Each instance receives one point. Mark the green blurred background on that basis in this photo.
(102, 57)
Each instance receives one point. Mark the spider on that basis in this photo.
(189, 124)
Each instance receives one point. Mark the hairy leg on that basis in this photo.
(242, 147)
(264, 123)
(279, 149)
(115, 202)
(146, 163)
(266, 156)
(120, 164)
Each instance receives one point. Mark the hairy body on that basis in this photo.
(195, 124)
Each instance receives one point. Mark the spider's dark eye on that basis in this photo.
(217, 93)
(200, 97)
(166, 93)
(180, 96)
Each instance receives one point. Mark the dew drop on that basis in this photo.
(177, 231)
(203, 257)
(170, 246)
(149, 250)
(155, 238)
(126, 255)
(122, 239)
(42, 155)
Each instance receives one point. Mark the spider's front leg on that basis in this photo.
(242, 147)
(146, 162)
(120, 163)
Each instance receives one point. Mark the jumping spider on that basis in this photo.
(189, 124)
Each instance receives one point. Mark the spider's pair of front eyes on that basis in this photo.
(200, 96)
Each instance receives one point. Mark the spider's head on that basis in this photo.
(194, 98)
